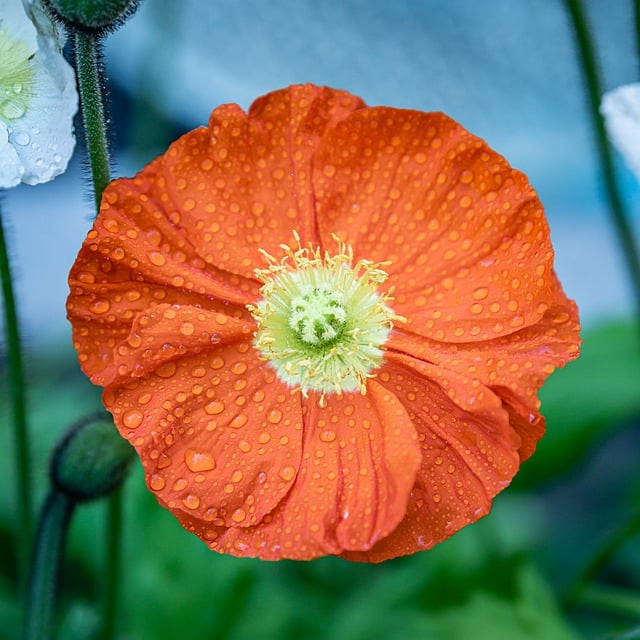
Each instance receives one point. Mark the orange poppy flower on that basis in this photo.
(323, 326)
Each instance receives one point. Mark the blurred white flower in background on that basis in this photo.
(621, 111)
(38, 97)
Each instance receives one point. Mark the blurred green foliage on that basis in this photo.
(500, 579)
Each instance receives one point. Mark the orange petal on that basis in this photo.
(465, 233)
(514, 366)
(358, 466)
(213, 431)
(245, 182)
(468, 456)
(135, 258)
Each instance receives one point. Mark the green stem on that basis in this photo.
(45, 567)
(18, 411)
(91, 100)
(618, 601)
(112, 569)
(594, 89)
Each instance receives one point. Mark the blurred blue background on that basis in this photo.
(508, 71)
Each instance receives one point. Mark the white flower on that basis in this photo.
(38, 97)
(621, 111)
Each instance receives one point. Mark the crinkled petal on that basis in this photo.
(213, 431)
(514, 366)
(359, 463)
(136, 257)
(621, 111)
(464, 232)
(468, 455)
(244, 183)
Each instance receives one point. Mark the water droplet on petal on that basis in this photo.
(22, 138)
(191, 501)
(100, 306)
(287, 473)
(198, 461)
(156, 482)
(238, 515)
(132, 419)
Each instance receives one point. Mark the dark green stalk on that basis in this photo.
(18, 410)
(39, 623)
(113, 566)
(593, 85)
(618, 601)
(92, 104)
(602, 556)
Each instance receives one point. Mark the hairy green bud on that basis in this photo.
(95, 16)
(91, 460)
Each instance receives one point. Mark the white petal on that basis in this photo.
(621, 111)
(11, 168)
(41, 141)
(43, 137)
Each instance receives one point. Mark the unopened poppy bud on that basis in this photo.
(91, 460)
(93, 15)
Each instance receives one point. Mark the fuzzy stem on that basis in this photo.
(593, 85)
(91, 99)
(18, 410)
(39, 623)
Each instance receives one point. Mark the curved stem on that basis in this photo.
(602, 556)
(18, 410)
(593, 86)
(91, 99)
(113, 565)
(45, 567)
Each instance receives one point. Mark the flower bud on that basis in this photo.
(95, 16)
(91, 460)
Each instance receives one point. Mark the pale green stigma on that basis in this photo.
(322, 322)
(16, 77)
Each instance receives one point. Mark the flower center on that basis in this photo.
(321, 321)
(16, 77)
(318, 315)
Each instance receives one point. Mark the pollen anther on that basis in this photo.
(322, 323)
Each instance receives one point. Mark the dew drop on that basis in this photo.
(327, 436)
(191, 501)
(198, 461)
(156, 258)
(274, 416)
(238, 515)
(214, 407)
(156, 482)
(287, 473)
(166, 370)
(132, 419)
(22, 138)
(180, 484)
(187, 329)
(239, 421)
(481, 293)
(100, 306)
